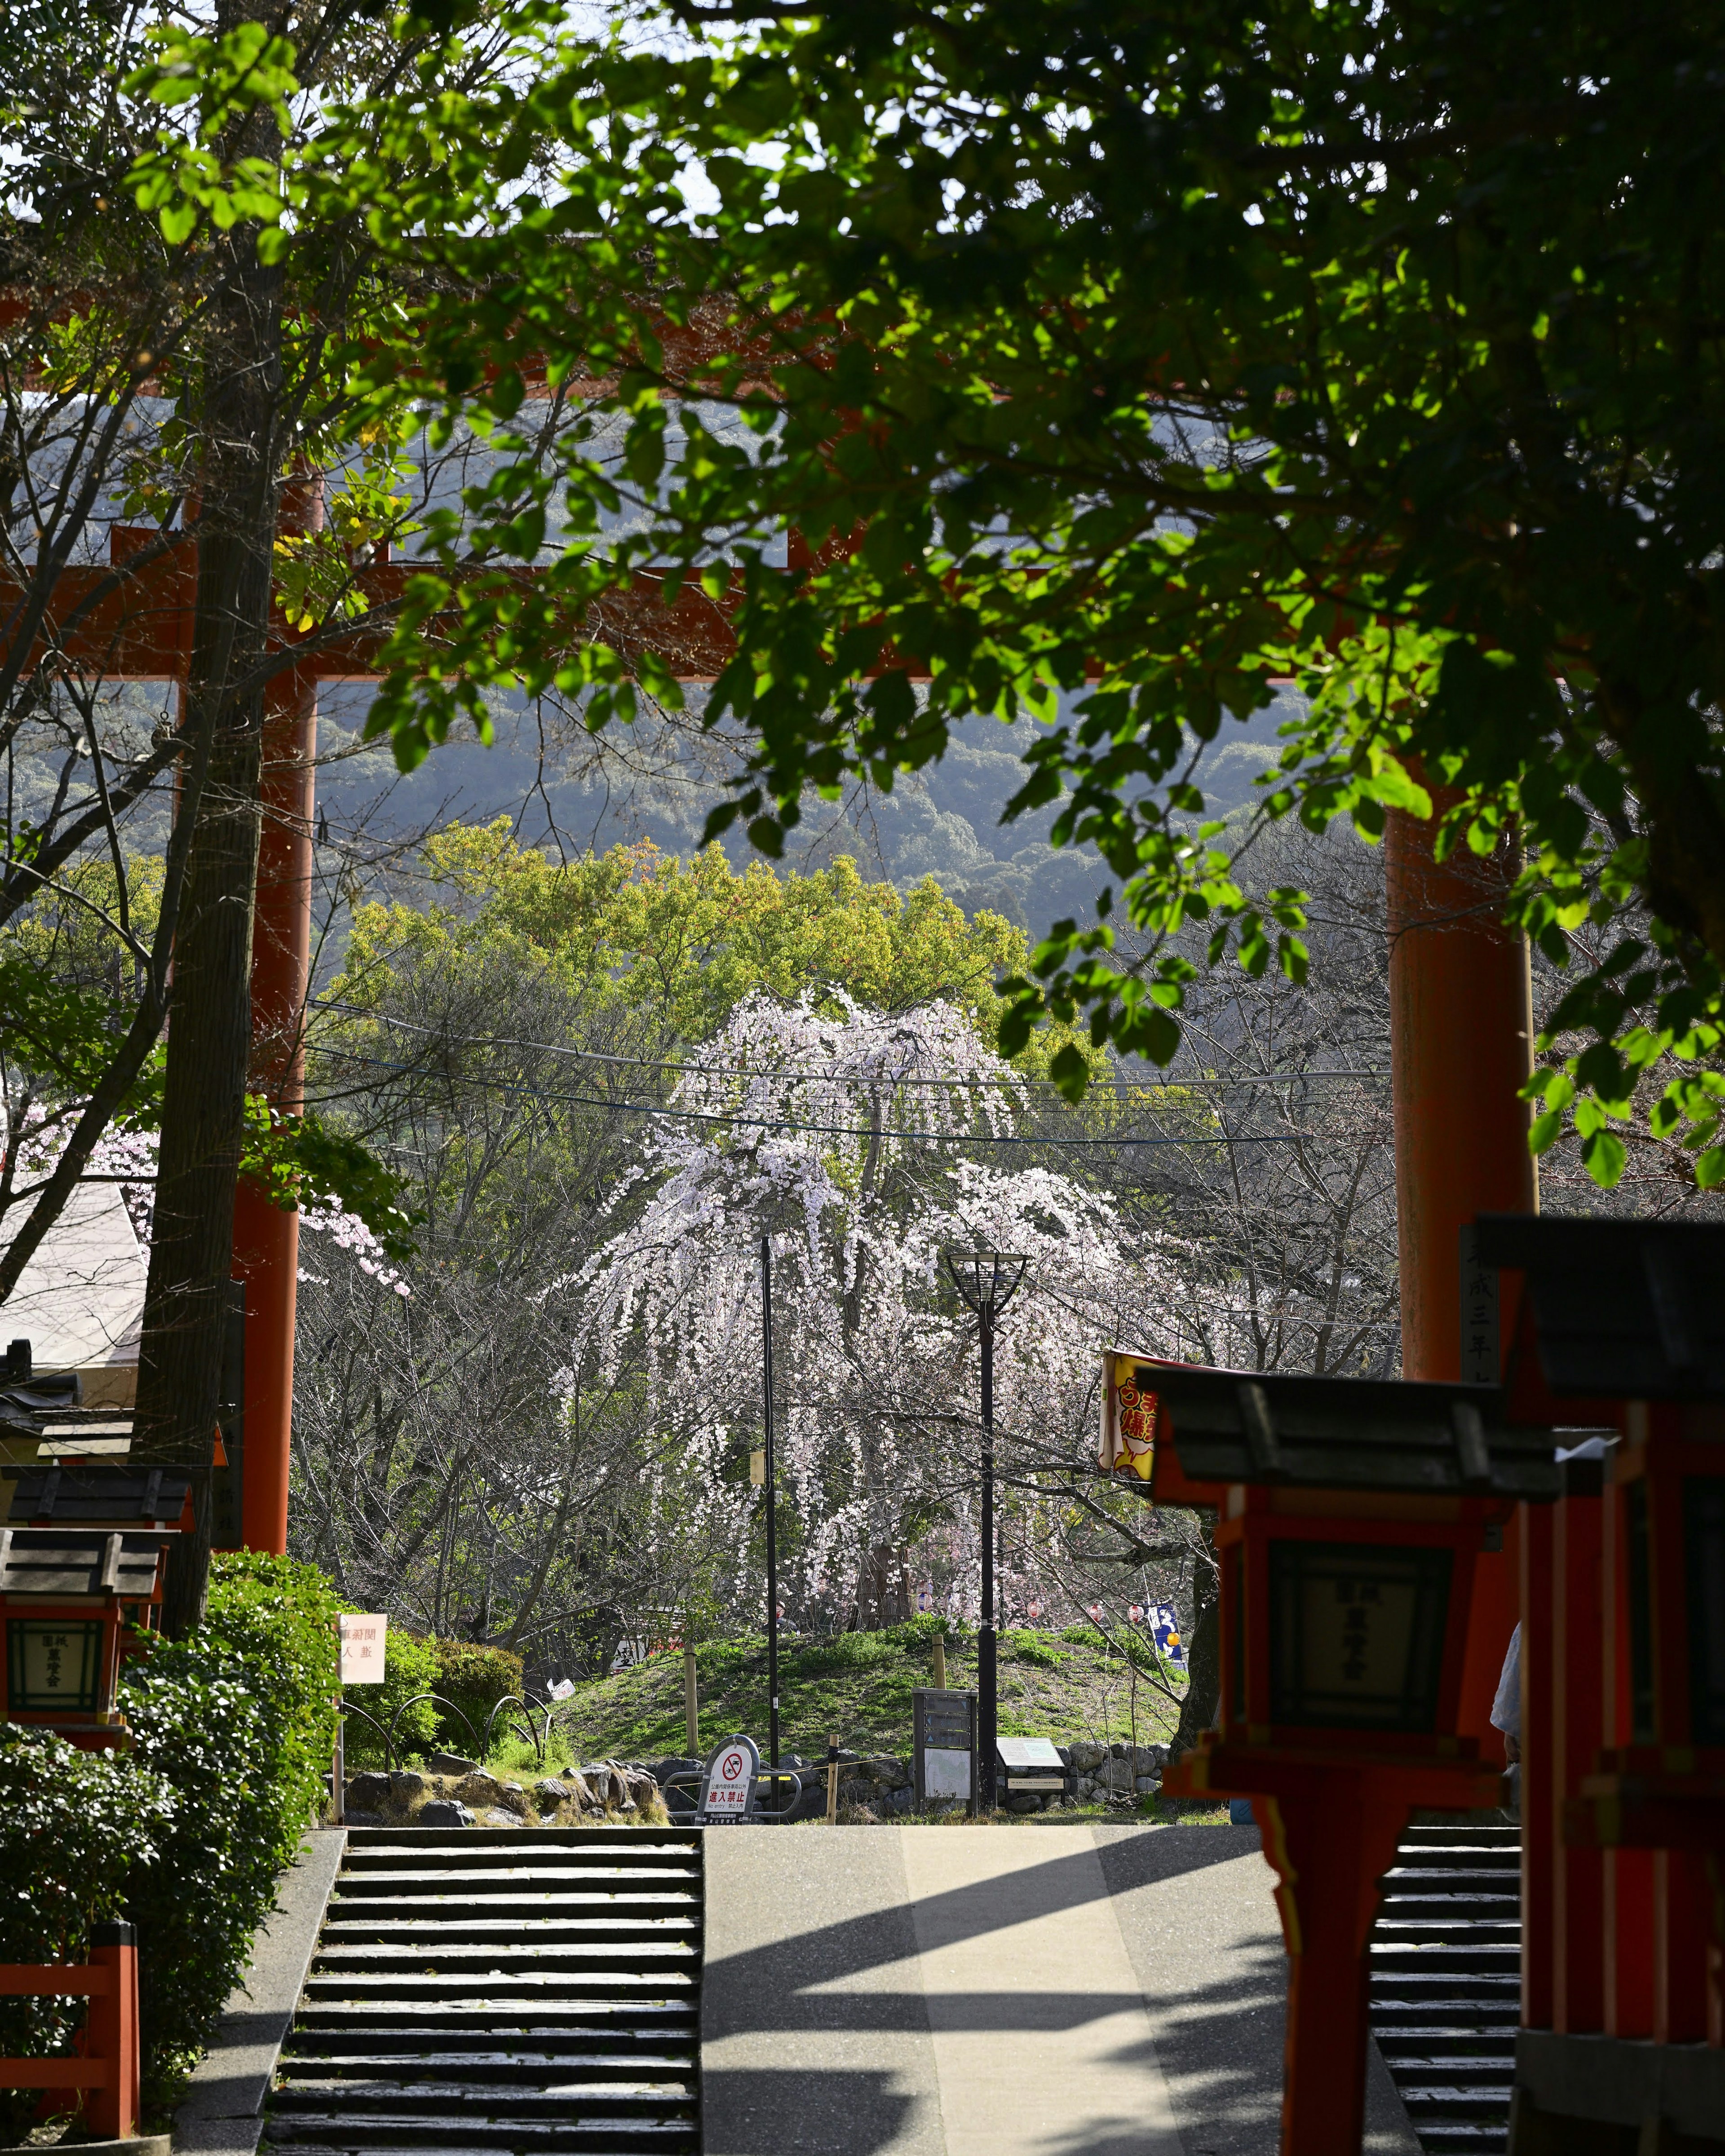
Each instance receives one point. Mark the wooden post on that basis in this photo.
(940, 1663)
(692, 1701)
(1578, 2006)
(1628, 1926)
(1541, 1789)
(112, 2033)
(833, 1779)
(1328, 1847)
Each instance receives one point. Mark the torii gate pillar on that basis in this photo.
(1461, 1042)
(266, 1237)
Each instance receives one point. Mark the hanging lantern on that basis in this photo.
(1136, 1613)
(1034, 1612)
(1095, 1612)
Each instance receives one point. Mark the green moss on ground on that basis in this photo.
(1069, 1686)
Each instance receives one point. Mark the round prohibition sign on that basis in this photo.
(731, 1765)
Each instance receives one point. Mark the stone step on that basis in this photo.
(1445, 1983)
(370, 1848)
(533, 2018)
(1489, 1927)
(1390, 1964)
(1464, 2137)
(444, 1957)
(402, 2131)
(491, 2099)
(377, 2062)
(1500, 1836)
(1448, 2050)
(1462, 2017)
(558, 1897)
(1465, 1904)
(498, 1991)
(463, 1865)
(502, 1997)
(1432, 2078)
(386, 1928)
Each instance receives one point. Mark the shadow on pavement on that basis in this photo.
(752, 2109)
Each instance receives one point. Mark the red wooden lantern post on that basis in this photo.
(1353, 1516)
(1623, 1324)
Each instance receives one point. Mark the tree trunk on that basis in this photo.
(1203, 1656)
(209, 1010)
(883, 1590)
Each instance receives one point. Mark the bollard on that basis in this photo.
(940, 1663)
(111, 2033)
(833, 1779)
(692, 1701)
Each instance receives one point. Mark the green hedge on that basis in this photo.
(188, 1831)
(239, 1721)
(410, 1666)
(473, 1678)
(76, 1830)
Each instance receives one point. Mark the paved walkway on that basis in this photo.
(1000, 1991)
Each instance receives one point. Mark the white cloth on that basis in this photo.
(1506, 1707)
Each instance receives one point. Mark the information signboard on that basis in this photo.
(1031, 1765)
(944, 1757)
(727, 1795)
(364, 1643)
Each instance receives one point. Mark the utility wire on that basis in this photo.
(720, 1070)
(782, 1123)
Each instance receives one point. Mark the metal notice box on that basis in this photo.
(944, 1761)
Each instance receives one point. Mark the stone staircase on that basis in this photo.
(1446, 1972)
(502, 1990)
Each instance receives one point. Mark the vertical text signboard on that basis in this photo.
(727, 1794)
(945, 1762)
(364, 1640)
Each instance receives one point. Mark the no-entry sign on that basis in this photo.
(728, 1795)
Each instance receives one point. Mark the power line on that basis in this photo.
(720, 1070)
(781, 1123)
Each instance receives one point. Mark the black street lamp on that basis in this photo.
(987, 1281)
(771, 1504)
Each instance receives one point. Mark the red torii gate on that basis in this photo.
(131, 620)
(1460, 1004)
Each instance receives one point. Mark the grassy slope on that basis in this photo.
(859, 1684)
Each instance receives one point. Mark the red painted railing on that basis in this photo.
(108, 2067)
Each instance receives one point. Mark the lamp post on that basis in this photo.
(987, 1281)
(771, 1499)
